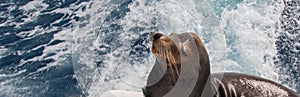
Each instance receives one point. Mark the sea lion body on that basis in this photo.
(172, 68)
(243, 85)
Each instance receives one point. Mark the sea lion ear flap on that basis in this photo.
(185, 47)
(197, 39)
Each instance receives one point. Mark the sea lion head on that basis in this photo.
(165, 49)
(175, 48)
(185, 58)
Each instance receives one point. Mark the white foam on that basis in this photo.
(132, 77)
(3, 51)
(12, 75)
(32, 10)
(178, 17)
(252, 24)
(85, 41)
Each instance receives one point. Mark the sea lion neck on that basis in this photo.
(202, 87)
(161, 80)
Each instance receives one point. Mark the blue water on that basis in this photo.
(75, 48)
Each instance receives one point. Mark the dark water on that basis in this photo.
(28, 68)
(288, 52)
(56, 81)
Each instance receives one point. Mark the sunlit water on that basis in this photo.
(84, 48)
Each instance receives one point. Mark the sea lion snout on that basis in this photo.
(165, 49)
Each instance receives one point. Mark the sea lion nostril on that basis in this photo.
(156, 36)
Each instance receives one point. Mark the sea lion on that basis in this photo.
(182, 61)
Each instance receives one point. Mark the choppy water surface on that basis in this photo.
(86, 47)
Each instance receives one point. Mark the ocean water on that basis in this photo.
(79, 48)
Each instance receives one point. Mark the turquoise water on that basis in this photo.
(74, 48)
